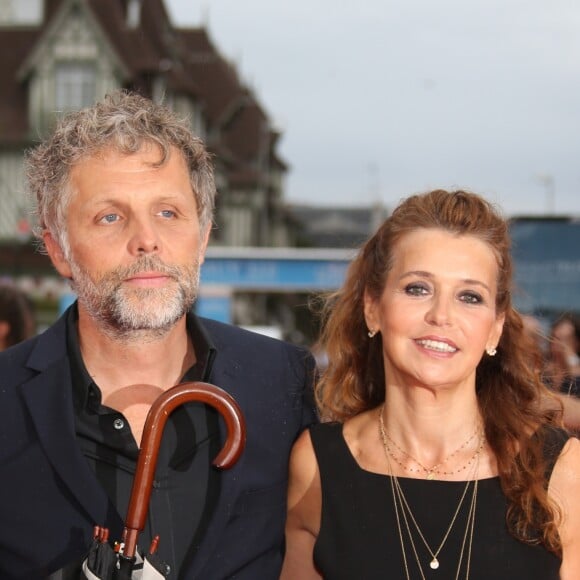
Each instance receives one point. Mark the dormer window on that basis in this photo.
(75, 85)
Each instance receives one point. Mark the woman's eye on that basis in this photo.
(416, 290)
(471, 298)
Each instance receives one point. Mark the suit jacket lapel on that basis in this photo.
(49, 399)
(228, 378)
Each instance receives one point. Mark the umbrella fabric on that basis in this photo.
(101, 559)
(151, 570)
(103, 562)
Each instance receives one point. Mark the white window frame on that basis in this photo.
(76, 85)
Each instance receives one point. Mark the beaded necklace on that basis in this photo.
(431, 472)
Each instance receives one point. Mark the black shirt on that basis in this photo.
(185, 487)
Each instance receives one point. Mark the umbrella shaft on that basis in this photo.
(130, 542)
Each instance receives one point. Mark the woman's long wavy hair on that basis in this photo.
(509, 386)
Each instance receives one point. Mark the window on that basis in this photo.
(75, 85)
(20, 12)
(133, 13)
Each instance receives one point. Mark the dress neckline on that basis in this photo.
(404, 478)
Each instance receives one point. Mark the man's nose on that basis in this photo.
(144, 238)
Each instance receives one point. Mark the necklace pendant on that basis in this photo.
(431, 475)
(434, 564)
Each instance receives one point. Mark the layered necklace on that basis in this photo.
(431, 472)
(403, 511)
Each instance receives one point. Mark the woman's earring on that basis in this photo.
(491, 351)
(372, 333)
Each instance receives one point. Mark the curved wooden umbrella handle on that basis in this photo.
(163, 406)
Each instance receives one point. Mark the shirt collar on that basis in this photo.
(86, 393)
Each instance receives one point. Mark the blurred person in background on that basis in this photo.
(17, 316)
(534, 328)
(563, 360)
(558, 364)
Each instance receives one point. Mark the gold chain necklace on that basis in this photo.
(406, 511)
(400, 503)
(430, 472)
(434, 471)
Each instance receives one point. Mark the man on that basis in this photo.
(125, 196)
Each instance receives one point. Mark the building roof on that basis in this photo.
(15, 45)
(238, 124)
(238, 127)
(217, 78)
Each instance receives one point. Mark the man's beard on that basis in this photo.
(123, 310)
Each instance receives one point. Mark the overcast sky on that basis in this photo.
(378, 99)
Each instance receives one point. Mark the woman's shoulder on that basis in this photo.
(349, 430)
(324, 428)
(322, 437)
(302, 450)
(568, 459)
(564, 488)
(564, 482)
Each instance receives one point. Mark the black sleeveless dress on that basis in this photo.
(359, 536)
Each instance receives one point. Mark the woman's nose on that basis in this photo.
(440, 312)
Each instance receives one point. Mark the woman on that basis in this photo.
(436, 460)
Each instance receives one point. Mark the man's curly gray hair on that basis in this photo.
(125, 122)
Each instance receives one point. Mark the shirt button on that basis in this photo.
(118, 424)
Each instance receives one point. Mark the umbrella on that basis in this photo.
(122, 560)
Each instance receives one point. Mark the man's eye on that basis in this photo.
(109, 218)
(167, 213)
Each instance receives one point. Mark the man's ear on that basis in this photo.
(56, 255)
(203, 244)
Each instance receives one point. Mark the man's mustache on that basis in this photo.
(147, 264)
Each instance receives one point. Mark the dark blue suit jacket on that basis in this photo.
(50, 499)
